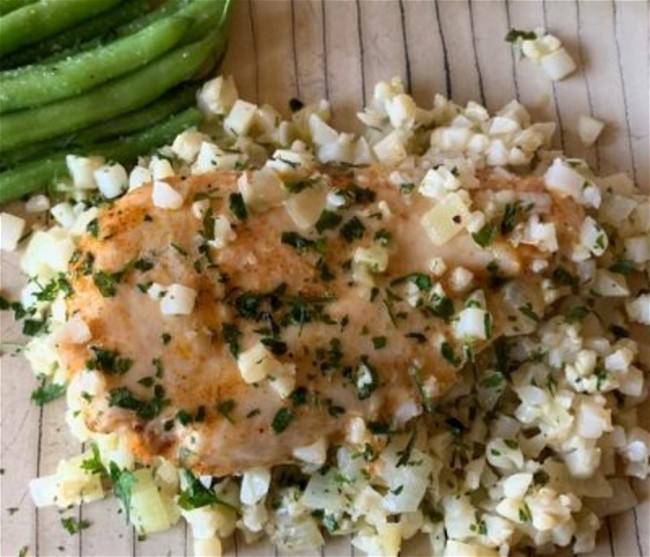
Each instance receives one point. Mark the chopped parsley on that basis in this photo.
(622, 267)
(231, 335)
(577, 314)
(122, 397)
(143, 265)
(485, 235)
(237, 206)
(50, 291)
(448, 353)
(73, 526)
(300, 243)
(47, 391)
(509, 220)
(123, 482)
(94, 463)
(196, 495)
(352, 230)
(379, 342)
(108, 361)
(107, 283)
(225, 408)
(327, 221)
(528, 311)
(514, 35)
(93, 228)
(281, 420)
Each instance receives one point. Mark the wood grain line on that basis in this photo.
(407, 59)
(294, 50)
(477, 65)
(325, 65)
(515, 81)
(581, 62)
(361, 53)
(445, 55)
(558, 114)
(621, 76)
(251, 16)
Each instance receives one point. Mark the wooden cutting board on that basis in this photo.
(338, 49)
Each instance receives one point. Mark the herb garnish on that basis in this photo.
(47, 391)
(237, 206)
(281, 420)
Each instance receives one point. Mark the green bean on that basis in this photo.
(167, 8)
(42, 84)
(7, 6)
(34, 22)
(109, 100)
(95, 31)
(178, 99)
(39, 173)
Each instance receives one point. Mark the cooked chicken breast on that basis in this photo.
(331, 333)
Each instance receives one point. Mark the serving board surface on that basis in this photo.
(338, 49)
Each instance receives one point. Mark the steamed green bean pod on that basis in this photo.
(42, 84)
(37, 21)
(89, 33)
(7, 6)
(40, 173)
(178, 99)
(112, 99)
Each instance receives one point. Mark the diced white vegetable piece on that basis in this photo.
(267, 120)
(616, 208)
(321, 492)
(200, 208)
(401, 111)
(165, 196)
(637, 248)
(187, 144)
(217, 96)
(111, 179)
(593, 237)
(207, 547)
(63, 213)
(161, 168)
(532, 49)
(289, 161)
(254, 485)
(74, 331)
(316, 453)
(47, 253)
(375, 258)
(566, 181)
(321, 133)
(223, 232)
(460, 515)
(76, 485)
(208, 158)
(139, 177)
(558, 64)
(82, 169)
(473, 323)
(516, 485)
(407, 484)
(178, 300)
(339, 151)
(306, 206)
(262, 189)
(476, 112)
(461, 279)
(82, 220)
(240, 118)
(500, 125)
(43, 490)
(284, 381)
(11, 230)
(37, 204)
(589, 129)
(258, 363)
(610, 284)
(437, 182)
(156, 291)
(446, 219)
(391, 150)
(638, 310)
(362, 153)
(540, 234)
(149, 510)
(386, 542)
(593, 419)
(497, 153)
